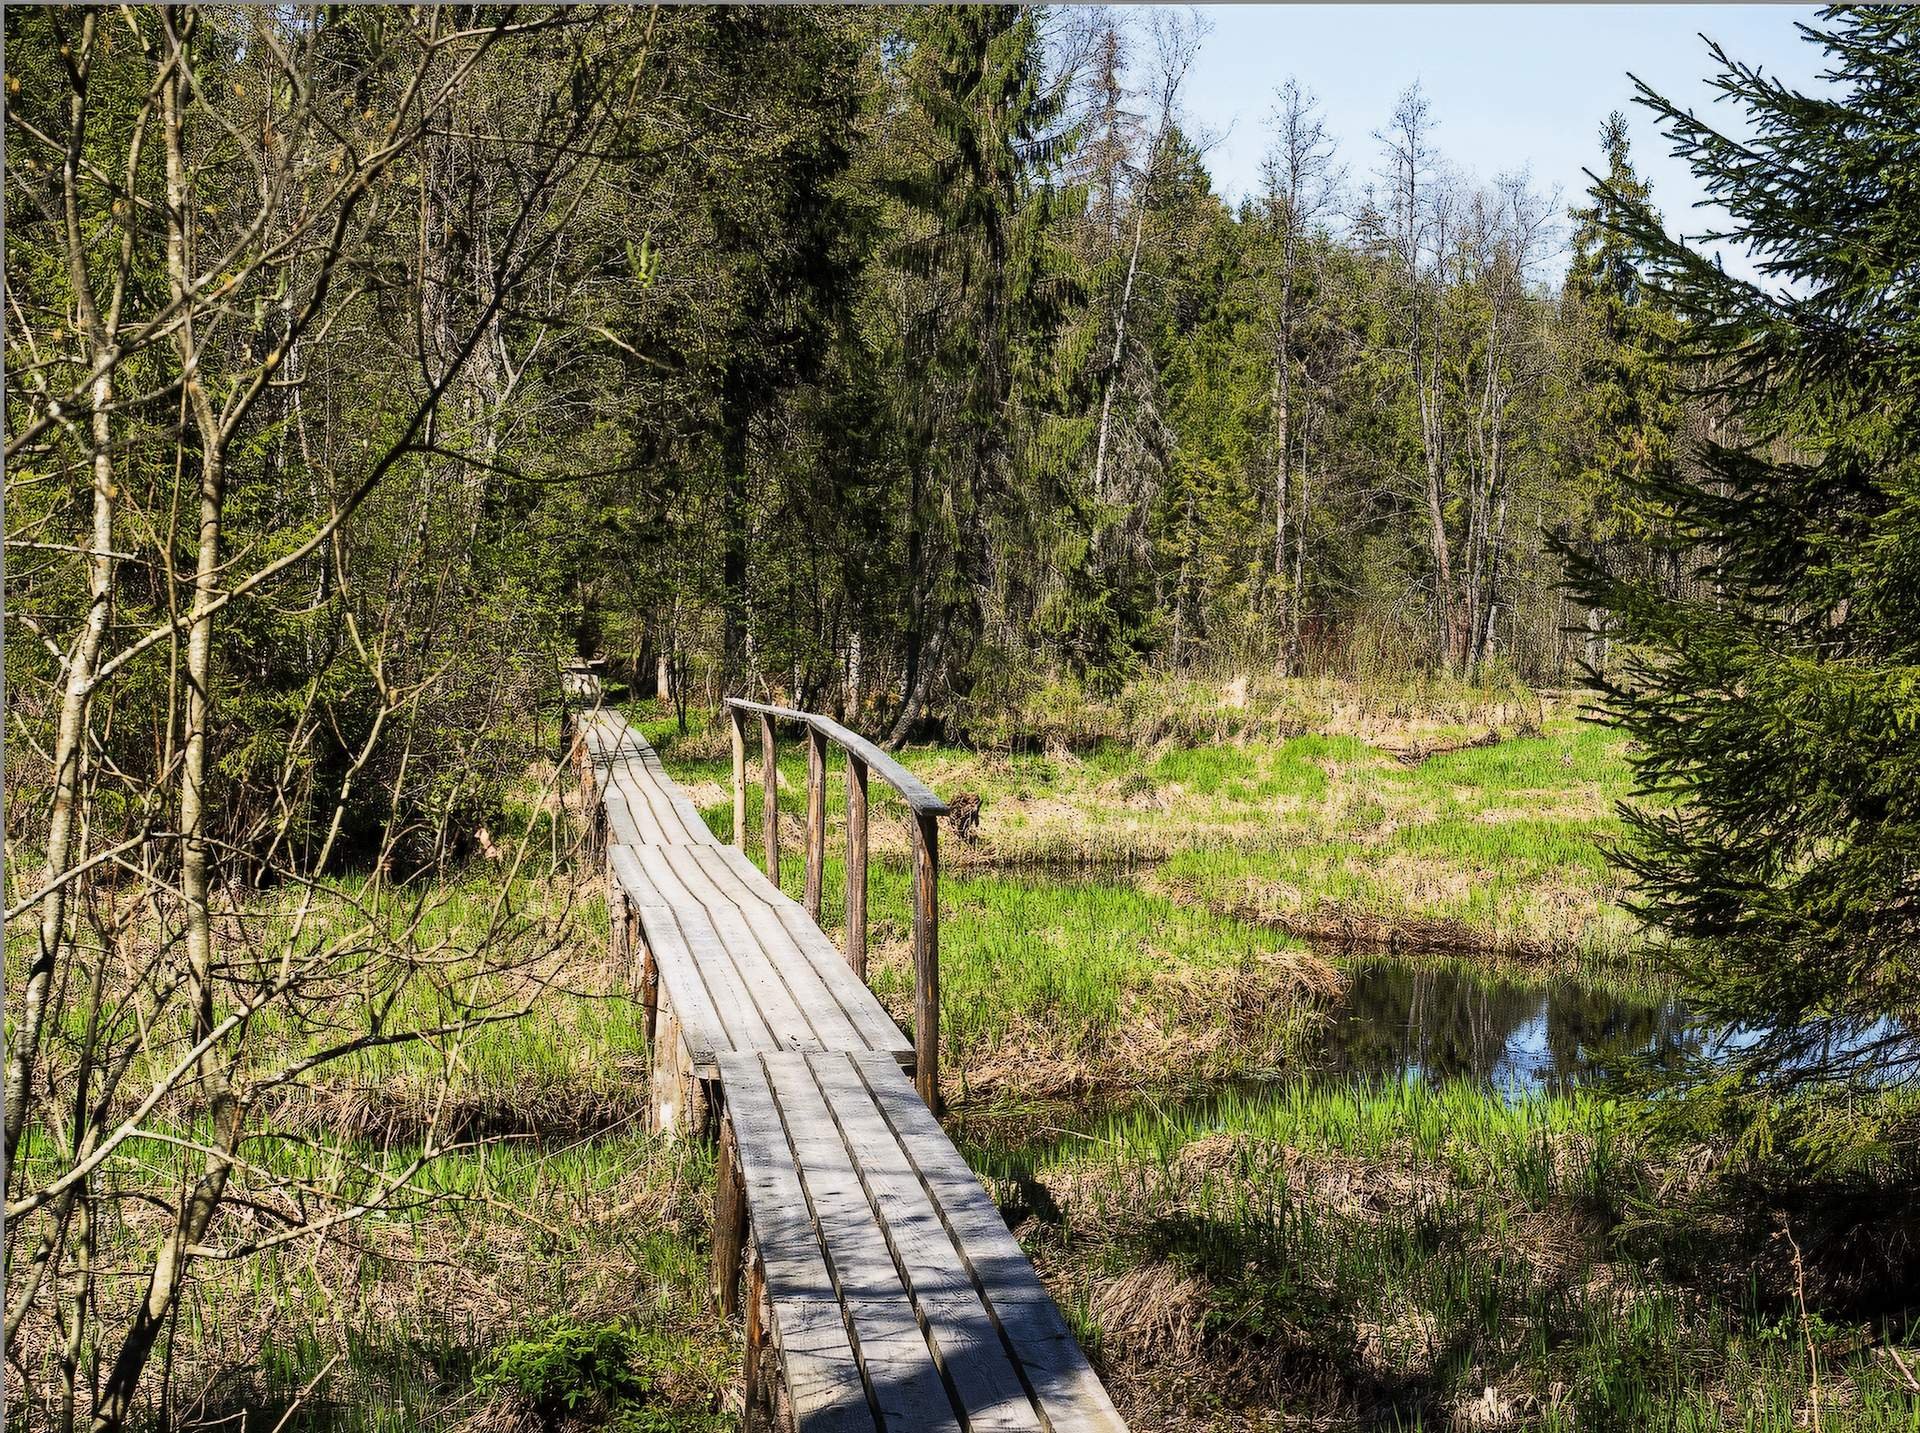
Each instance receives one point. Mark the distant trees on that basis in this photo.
(1299, 190)
(1773, 699)
(1625, 410)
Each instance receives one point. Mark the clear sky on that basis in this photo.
(1512, 86)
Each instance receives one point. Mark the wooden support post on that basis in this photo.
(729, 1225)
(769, 801)
(857, 865)
(645, 973)
(619, 950)
(816, 821)
(756, 1417)
(739, 726)
(666, 1094)
(926, 957)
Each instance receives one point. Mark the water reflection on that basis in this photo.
(1442, 1020)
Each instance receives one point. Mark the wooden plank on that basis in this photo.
(733, 1003)
(903, 1382)
(869, 1017)
(622, 829)
(646, 787)
(1069, 1393)
(696, 1002)
(794, 1001)
(822, 1371)
(965, 1341)
(721, 944)
(713, 877)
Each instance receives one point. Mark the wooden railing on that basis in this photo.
(925, 809)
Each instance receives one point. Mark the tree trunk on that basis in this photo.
(1140, 201)
(84, 658)
(199, 1204)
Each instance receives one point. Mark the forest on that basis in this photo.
(1434, 661)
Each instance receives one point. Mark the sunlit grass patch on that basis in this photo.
(1410, 1255)
(1051, 986)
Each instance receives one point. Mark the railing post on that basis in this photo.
(816, 821)
(857, 865)
(738, 725)
(926, 957)
(769, 801)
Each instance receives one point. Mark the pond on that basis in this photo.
(1432, 1019)
(1447, 1020)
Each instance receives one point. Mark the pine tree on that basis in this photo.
(1626, 408)
(981, 298)
(1775, 709)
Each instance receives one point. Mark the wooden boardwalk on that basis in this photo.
(882, 1288)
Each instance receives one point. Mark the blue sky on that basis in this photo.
(1512, 86)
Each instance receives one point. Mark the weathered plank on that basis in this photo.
(902, 1380)
(809, 1330)
(1069, 1393)
(965, 1340)
(721, 944)
(747, 925)
(699, 993)
(876, 1028)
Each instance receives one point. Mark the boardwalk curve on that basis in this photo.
(882, 1289)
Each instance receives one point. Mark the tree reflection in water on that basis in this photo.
(1442, 1020)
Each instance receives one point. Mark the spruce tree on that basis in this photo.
(1775, 704)
(1628, 405)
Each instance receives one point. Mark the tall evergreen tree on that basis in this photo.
(979, 303)
(1626, 404)
(1775, 709)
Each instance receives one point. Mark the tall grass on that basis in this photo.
(1401, 1254)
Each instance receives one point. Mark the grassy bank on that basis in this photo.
(1134, 914)
(1402, 1255)
(1390, 827)
(1127, 933)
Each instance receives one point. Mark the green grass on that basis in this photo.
(549, 1200)
(502, 1240)
(1387, 1253)
(1498, 848)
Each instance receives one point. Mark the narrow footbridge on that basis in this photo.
(882, 1288)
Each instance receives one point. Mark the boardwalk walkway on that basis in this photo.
(883, 1290)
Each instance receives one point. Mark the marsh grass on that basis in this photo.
(394, 1326)
(547, 1197)
(1336, 835)
(1134, 916)
(1407, 1255)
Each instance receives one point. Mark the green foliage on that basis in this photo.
(1774, 700)
(569, 1370)
(1627, 410)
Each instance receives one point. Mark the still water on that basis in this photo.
(1443, 1020)
(1399, 1018)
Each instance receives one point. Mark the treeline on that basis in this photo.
(363, 364)
(1014, 395)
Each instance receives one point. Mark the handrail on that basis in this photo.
(926, 808)
(915, 792)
